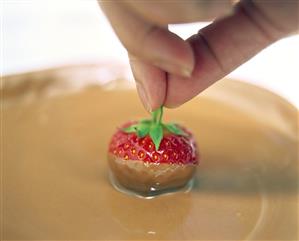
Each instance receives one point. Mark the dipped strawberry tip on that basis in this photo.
(154, 127)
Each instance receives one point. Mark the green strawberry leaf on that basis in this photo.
(146, 121)
(154, 128)
(143, 129)
(173, 128)
(156, 133)
(130, 129)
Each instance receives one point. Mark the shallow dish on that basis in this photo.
(56, 128)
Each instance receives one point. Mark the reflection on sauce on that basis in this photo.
(154, 192)
(56, 176)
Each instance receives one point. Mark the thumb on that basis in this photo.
(220, 48)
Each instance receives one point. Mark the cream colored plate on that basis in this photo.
(55, 177)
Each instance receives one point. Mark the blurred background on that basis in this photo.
(38, 34)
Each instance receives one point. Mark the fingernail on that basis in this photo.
(174, 68)
(143, 96)
(186, 72)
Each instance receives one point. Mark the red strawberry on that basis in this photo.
(173, 148)
(149, 155)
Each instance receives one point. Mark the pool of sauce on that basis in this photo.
(55, 182)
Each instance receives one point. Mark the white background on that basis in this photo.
(40, 34)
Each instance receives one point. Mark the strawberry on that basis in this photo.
(144, 154)
(176, 149)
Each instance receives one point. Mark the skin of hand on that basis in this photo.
(169, 70)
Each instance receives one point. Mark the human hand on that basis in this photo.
(169, 70)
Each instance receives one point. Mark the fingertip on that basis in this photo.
(150, 83)
(172, 105)
(143, 97)
(179, 90)
(169, 52)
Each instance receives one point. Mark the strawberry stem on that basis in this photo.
(157, 115)
(161, 115)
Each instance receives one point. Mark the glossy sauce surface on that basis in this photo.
(55, 172)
